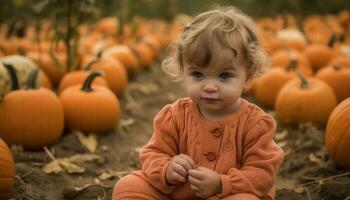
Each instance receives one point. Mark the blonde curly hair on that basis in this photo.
(209, 31)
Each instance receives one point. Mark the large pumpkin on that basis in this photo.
(305, 100)
(125, 55)
(90, 108)
(338, 134)
(30, 117)
(7, 171)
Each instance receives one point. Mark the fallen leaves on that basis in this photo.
(89, 141)
(69, 165)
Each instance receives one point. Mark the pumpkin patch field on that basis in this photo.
(82, 80)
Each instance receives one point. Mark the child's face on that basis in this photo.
(217, 87)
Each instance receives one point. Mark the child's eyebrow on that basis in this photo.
(228, 68)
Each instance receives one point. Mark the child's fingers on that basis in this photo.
(194, 188)
(183, 163)
(180, 170)
(178, 177)
(188, 159)
(194, 181)
(197, 174)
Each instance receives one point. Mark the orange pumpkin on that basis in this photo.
(78, 78)
(123, 54)
(319, 55)
(271, 83)
(338, 78)
(7, 171)
(338, 134)
(340, 60)
(115, 73)
(90, 108)
(46, 63)
(282, 58)
(30, 117)
(305, 100)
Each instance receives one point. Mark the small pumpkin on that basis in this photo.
(30, 117)
(78, 78)
(47, 64)
(90, 108)
(115, 73)
(281, 59)
(338, 134)
(125, 55)
(305, 100)
(7, 171)
(338, 78)
(271, 83)
(319, 55)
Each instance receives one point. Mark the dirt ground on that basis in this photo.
(306, 173)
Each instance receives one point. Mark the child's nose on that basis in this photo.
(210, 87)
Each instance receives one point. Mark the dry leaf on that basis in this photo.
(62, 165)
(111, 174)
(68, 164)
(146, 88)
(315, 159)
(90, 141)
(281, 135)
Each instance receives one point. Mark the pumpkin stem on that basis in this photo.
(304, 82)
(292, 64)
(89, 65)
(99, 54)
(33, 76)
(88, 81)
(337, 67)
(12, 72)
(332, 40)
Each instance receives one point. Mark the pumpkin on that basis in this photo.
(319, 55)
(78, 78)
(338, 78)
(145, 52)
(305, 100)
(338, 134)
(271, 83)
(281, 59)
(340, 60)
(291, 38)
(30, 117)
(46, 63)
(108, 26)
(7, 171)
(115, 73)
(123, 54)
(23, 66)
(90, 108)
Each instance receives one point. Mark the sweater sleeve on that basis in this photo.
(260, 162)
(162, 146)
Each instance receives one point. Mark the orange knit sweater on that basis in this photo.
(240, 147)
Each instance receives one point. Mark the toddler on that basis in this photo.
(212, 144)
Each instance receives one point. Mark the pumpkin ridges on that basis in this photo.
(292, 102)
(7, 171)
(79, 117)
(337, 135)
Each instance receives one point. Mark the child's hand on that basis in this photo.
(204, 182)
(177, 170)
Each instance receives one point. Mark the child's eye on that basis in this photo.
(225, 76)
(197, 75)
